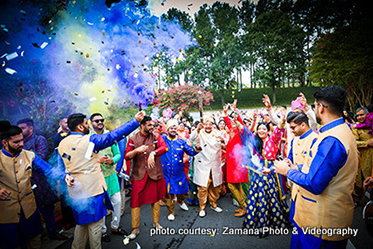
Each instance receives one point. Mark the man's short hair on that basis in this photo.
(297, 118)
(13, 131)
(284, 106)
(94, 115)
(334, 97)
(362, 108)
(28, 121)
(62, 118)
(145, 119)
(74, 120)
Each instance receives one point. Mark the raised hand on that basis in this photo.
(303, 101)
(140, 116)
(225, 109)
(267, 102)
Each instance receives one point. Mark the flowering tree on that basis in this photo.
(183, 98)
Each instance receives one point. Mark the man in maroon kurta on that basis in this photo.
(236, 173)
(148, 184)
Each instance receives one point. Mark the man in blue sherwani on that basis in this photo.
(173, 168)
(79, 153)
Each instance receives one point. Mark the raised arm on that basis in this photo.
(105, 140)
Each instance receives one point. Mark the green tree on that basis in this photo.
(277, 46)
(344, 58)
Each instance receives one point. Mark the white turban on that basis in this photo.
(172, 122)
(208, 118)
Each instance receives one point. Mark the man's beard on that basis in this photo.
(86, 131)
(173, 135)
(318, 119)
(99, 128)
(14, 151)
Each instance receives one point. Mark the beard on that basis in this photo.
(172, 134)
(318, 119)
(86, 131)
(15, 150)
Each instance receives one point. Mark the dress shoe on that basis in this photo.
(105, 237)
(171, 217)
(58, 236)
(157, 227)
(217, 209)
(134, 235)
(240, 213)
(119, 231)
(202, 213)
(184, 206)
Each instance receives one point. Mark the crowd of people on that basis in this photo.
(315, 155)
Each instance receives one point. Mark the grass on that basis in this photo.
(252, 98)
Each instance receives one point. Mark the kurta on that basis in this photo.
(88, 206)
(148, 184)
(299, 149)
(326, 182)
(236, 173)
(362, 137)
(19, 219)
(173, 167)
(209, 160)
(108, 170)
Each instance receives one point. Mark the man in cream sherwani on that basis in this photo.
(208, 175)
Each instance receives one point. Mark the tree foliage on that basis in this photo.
(183, 98)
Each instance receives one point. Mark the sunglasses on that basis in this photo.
(98, 120)
(313, 106)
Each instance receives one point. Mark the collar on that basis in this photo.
(77, 133)
(143, 134)
(306, 134)
(6, 153)
(332, 124)
(172, 139)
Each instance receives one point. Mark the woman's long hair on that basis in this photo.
(258, 140)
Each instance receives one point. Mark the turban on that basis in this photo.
(172, 122)
(208, 118)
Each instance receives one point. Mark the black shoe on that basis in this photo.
(119, 231)
(105, 237)
(58, 236)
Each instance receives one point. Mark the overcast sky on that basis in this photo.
(189, 6)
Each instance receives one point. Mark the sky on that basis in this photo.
(189, 6)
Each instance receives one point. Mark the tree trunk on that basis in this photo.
(222, 97)
(274, 94)
(241, 79)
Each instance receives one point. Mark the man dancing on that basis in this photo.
(148, 184)
(173, 168)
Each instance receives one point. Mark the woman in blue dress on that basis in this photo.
(266, 206)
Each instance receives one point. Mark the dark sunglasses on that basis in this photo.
(98, 120)
(313, 106)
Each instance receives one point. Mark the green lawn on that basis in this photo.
(252, 98)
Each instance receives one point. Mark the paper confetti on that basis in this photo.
(11, 56)
(10, 71)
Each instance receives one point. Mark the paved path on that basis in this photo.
(172, 236)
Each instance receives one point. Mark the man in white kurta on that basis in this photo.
(208, 175)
